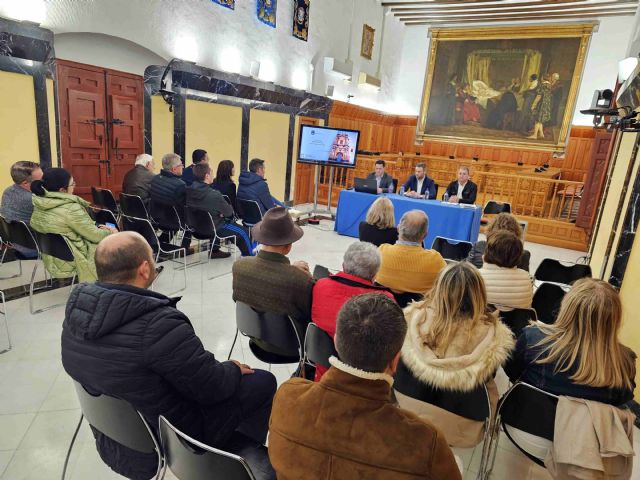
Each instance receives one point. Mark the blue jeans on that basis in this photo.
(243, 241)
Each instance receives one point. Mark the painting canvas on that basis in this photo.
(503, 86)
(301, 19)
(366, 49)
(266, 11)
(226, 3)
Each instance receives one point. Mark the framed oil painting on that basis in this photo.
(366, 48)
(504, 86)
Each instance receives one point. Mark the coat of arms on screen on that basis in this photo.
(366, 49)
(266, 10)
(226, 3)
(301, 19)
(341, 149)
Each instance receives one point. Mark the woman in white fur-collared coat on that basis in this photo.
(453, 344)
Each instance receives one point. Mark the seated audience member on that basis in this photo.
(502, 221)
(223, 182)
(268, 282)
(169, 190)
(253, 186)
(346, 426)
(359, 268)
(454, 344)
(57, 210)
(407, 266)
(137, 181)
(380, 225)
(123, 340)
(462, 190)
(17, 200)
(198, 156)
(419, 185)
(579, 355)
(382, 178)
(506, 284)
(202, 197)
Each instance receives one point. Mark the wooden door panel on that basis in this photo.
(125, 120)
(86, 119)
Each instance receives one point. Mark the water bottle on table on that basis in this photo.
(401, 192)
(446, 197)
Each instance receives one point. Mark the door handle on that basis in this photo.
(117, 121)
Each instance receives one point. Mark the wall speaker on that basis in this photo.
(329, 91)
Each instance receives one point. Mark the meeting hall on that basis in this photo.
(319, 239)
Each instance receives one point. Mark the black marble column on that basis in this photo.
(179, 125)
(287, 185)
(42, 118)
(244, 141)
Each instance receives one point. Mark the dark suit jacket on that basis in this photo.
(427, 185)
(385, 181)
(137, 181)
(469, 192)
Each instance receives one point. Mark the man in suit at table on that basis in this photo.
(383, 180)
(419, 185)
(462, 190)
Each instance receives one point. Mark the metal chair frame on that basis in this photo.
(104, 198)
(211, 240)
(6, 323)
(134, 198)
(5, 244)
(314, 332)
(454, 243)
(568, 265)
(188, 443)
(241, 214)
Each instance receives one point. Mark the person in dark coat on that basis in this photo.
(201, 196)
(198, 156)
(384, 181)
(462, 190)
(253, 186)
(123, 340)
(169, 190)
(137, 181)
(223, 182)
(420, 185)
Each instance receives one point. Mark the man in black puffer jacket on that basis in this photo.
(123, 340)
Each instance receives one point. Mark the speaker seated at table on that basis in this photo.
(384, 181)
(462, 190)
(419, 185)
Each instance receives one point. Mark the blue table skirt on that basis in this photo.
(445, 219)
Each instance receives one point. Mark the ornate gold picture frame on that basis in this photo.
(366, 48)
(508, 86)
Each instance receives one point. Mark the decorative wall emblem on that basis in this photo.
(226, 3)
(301, 19)
(266, 11)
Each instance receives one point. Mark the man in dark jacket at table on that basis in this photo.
(462, 190)
(384, 182)
(419, 185)
(123, 340)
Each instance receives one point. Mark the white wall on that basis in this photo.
(634, 42)
(105, 51)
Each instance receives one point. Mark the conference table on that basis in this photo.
(447, 220)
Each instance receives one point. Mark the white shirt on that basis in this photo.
(378, 181)
(460, 189)
(419, 187)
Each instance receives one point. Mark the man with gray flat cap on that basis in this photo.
(269, 282)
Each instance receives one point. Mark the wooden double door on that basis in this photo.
(101, 124)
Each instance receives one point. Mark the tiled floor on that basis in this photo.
(38, 407)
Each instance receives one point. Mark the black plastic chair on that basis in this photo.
(102, 216)
(167, 217)
(320, 272)
(104, 198)
(526, 408)
(394, 183)
(452, 249)
(494, 208)
(318, 346)
(517, 319)
(405, 298)
(133, 206)
(143, 227)
(249, 212)
(189, 459)
(278, 338)
(13, 233)
(202, 227)
(546, 301)
(119, 421)
(473, 405)
(435, 185)
(551, 270)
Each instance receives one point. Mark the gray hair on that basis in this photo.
(361, 260)
(413, 226)
(171, 160)
(144, 159)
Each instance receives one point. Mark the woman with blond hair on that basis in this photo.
(579, 355)
(380, 225)
(453, 344)
(502, 221)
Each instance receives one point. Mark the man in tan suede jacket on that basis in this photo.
(345, 427)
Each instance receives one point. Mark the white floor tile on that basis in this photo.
(13, 428)
(5, 457)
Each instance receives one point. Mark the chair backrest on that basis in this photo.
(189, 459)
(200, 223)
(394, 183)
(133, 206)
(54, 245)
(436, 187)
(318, 346)
(118, 420)
(4, 230)
(452, 249)
(96, 196)
(551, 270)
(517, 319)
(405, 298)
(320, 272)
(102, 216)
(493, 208)
(473, 405)
(271, 328)
(166, 216)
(104, 198)
(20, 234)
(249, 211)
(143, 227)
(546, 301)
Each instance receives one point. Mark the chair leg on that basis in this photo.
(6, 323)
(33, 276)
(233, 345)
(66, 460)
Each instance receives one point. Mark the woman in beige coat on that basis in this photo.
(454, 344)
(507, 286)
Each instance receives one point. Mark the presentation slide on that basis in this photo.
(328, 145)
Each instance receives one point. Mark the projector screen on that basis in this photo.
(328, 146)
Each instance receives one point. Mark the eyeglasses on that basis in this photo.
(72, 184)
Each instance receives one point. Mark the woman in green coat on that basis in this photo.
(57, 210)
